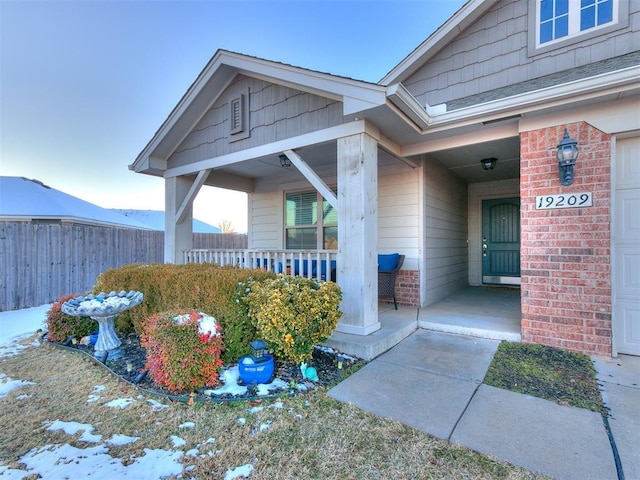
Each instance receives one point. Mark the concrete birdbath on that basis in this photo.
(104, 308)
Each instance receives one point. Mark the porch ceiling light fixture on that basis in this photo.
(488, 163)
(567, 155)
(284, 161)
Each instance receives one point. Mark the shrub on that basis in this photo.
(183, 350)
(195, 287)
(61, 326)
(292, 314)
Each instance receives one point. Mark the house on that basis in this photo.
(154, 219)
(451, 159)
(30, 200)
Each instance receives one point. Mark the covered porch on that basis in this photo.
(484, 312)
(481, 311)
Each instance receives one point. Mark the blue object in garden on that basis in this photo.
(93, 337)
(256, 371)
(308, 373)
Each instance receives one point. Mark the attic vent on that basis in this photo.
(236, 115)
(239, 116)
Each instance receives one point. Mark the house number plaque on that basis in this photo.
(569, 200)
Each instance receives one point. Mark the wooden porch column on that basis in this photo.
(358, 233)
(177, 236)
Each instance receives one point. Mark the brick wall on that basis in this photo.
(566, 269)
(408, 288)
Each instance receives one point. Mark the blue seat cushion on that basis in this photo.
(388, 262)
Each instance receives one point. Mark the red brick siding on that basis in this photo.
(408, 288)
(565, 253)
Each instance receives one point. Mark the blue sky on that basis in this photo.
(84, 85)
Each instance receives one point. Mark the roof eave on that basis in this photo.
(578, 90)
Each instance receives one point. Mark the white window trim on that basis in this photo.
(620, 19)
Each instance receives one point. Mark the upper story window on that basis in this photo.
(560, 22)
(307, 227)
(567, 18)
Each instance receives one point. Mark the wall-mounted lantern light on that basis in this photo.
(488, 163)
(284, 161)
(567, 154)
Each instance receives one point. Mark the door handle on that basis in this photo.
(484, 249)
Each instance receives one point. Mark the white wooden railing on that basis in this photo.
(318, 264)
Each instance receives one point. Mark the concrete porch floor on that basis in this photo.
(486, 312)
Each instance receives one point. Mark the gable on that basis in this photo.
(224, 70)
(266, 112)
(492, 58)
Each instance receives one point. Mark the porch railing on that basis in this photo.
(318, 264)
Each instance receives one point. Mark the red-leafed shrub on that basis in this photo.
(61, 326)
(183, 350)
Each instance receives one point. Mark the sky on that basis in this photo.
(84, 85)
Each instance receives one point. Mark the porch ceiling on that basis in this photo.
(464, 161)
(321, 158)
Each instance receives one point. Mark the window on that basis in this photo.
(307, 228)
(594, 13)
(557, 21)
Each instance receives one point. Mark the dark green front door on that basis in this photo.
(501, 241)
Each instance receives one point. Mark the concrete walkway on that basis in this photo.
(432, 381)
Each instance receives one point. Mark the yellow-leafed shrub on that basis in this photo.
(204, 288)
(293, 314)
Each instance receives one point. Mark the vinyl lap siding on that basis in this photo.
(398, 212)
(265, 219)
(446, 251)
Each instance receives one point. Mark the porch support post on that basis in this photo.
(178, 235)
(358, 233)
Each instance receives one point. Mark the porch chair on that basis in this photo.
(388, 268)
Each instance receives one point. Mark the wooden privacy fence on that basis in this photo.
(39, 262)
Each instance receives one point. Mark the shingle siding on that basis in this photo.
(276, 113)
(491, 60)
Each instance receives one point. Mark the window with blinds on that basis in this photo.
(307, 228)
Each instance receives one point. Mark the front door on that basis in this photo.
(501, 241)
(626, 248)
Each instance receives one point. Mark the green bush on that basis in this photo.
(205, 288)
(292, 314)
(183, 350)
(61, 326)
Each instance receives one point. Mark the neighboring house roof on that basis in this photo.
(155, 219)
(23, 199)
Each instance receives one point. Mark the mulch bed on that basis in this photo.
(323, 360)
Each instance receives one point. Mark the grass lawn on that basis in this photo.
(564, 377)
(307, 436)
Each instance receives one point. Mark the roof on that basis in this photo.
(443, 36)
(155, 219)
(26, 199)
(355, 95)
